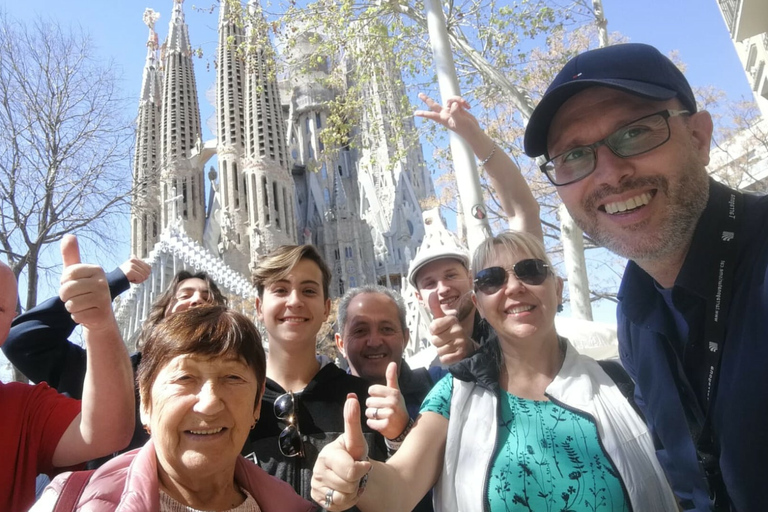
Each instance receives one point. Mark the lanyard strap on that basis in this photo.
(718, 304)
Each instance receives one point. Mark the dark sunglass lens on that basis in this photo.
(490, 280)
(290, 443)
(531, 271)
(284, 406)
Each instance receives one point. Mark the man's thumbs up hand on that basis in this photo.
(448, 337)
(385, 408)
(84, 289)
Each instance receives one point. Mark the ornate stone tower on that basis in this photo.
(392, 175)
(256, 188)
(277, 183)
(181, 179)
(326, 181)
(145, 207)
(272, 191)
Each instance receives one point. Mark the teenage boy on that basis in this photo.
(302, 407)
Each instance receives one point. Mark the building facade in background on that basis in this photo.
(274, 182)
(741, 161)
(747, 22)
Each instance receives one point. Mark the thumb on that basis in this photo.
(392, 376)
(354, 442)
(434, 306)
(70, 251)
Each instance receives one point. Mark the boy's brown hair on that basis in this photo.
(279, 263)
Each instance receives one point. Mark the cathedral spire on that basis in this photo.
(181, 119)
(180, 129)
(178, 32)
(150, 85)
(229, 79)
(145, 210)
(233, 182)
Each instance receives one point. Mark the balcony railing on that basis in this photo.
(730, 10)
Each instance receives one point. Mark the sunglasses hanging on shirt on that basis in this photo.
(289, 441)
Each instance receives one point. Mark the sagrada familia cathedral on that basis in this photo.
(275, 183)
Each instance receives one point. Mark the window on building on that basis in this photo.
(264, 191)
(277, 204)
(236, 182)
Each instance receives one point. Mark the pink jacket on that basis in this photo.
(129, 483)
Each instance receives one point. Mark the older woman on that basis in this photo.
(527, 423)
(201, 379)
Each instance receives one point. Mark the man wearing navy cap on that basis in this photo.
(624, 144)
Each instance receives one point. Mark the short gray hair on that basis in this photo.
(341, 316)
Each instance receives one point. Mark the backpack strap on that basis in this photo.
(623, 381)
(72, 490)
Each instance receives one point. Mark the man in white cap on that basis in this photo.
(440, 275)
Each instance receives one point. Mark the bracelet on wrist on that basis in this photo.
(401, 437)
(363, 481)
(486, 159)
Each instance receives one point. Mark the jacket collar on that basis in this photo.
(483, 366)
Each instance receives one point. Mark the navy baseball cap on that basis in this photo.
(638, 69)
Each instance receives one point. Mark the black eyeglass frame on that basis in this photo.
(665, 114)
(291, 432)
(521, 270)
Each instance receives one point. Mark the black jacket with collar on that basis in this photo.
(321, 420)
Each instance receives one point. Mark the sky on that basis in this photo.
(694, 28)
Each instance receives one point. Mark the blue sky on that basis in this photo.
(694, 28)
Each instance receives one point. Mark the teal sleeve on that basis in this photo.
(439, 398)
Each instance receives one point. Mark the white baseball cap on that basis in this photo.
(433, 253)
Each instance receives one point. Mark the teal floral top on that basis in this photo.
(548, 458)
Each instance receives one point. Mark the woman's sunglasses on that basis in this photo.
(530, 271)
(289, 441)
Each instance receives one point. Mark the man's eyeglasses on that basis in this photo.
(530, 271)
(632, 139)
(289, 441)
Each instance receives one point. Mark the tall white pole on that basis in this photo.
(570, 234)
(575, 265)
(467, 179)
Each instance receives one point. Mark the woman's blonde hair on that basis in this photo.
(508, 241)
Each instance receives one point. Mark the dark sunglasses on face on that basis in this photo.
(289, 441)
(531, 271)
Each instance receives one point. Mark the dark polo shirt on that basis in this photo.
(662, 346)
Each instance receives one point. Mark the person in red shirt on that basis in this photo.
(45, 432)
